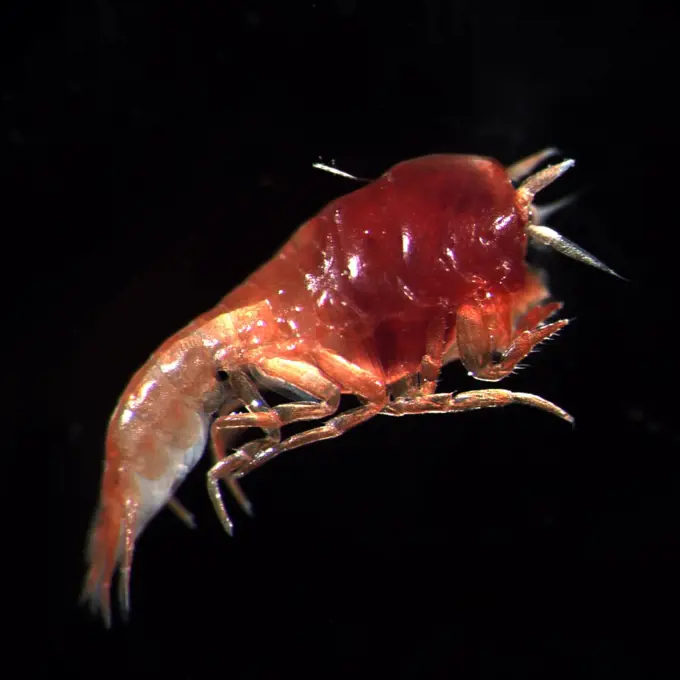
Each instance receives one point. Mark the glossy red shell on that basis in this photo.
(428, 230)
(366, 273)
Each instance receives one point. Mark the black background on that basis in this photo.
(157, 152)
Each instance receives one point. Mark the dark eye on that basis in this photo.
(496, 356)
(222, 376)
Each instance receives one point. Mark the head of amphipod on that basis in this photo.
(475, 219)
(505, 317)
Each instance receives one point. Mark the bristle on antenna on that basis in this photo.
(335, 171)
(522, 168)
(532, 185)
(549, 237)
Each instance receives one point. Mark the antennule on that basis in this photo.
(522, 168)
(532, 185)
(335, 171)
(561, 244)
(542, 213)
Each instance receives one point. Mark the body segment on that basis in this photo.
(371, 296)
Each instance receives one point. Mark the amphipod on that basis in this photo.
(370, 297)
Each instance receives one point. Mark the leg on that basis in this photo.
(182, 513)
(535, 316)
(469, 401)
(226, 466)
(431, 365)
(482, 330)
(425, 380)
(227, 437)
(329, 430)
(224, 429)
(338, 371)
(174, 505)
(302, 376)
(129, 522)
(484, 333)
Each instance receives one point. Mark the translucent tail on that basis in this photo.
(105, 542)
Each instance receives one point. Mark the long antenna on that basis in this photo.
(335, 171)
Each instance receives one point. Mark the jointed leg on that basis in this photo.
(270, 420)
(469, 401)
(329, 430)
(227, 437)
(224, 429)
(431, 363)
(174, 505)
(484, 336)
(129, 523)
(489, 351)
(425, 380)
(426, 403)
(520, 347)
(364, 384)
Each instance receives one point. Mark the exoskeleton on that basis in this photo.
(371, 297)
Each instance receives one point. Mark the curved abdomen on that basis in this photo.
(156, 435)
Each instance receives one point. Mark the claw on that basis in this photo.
(237, 493)
(124, 593)
(217, 501)
(105, 604)
(226, 469)
(545, 405)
